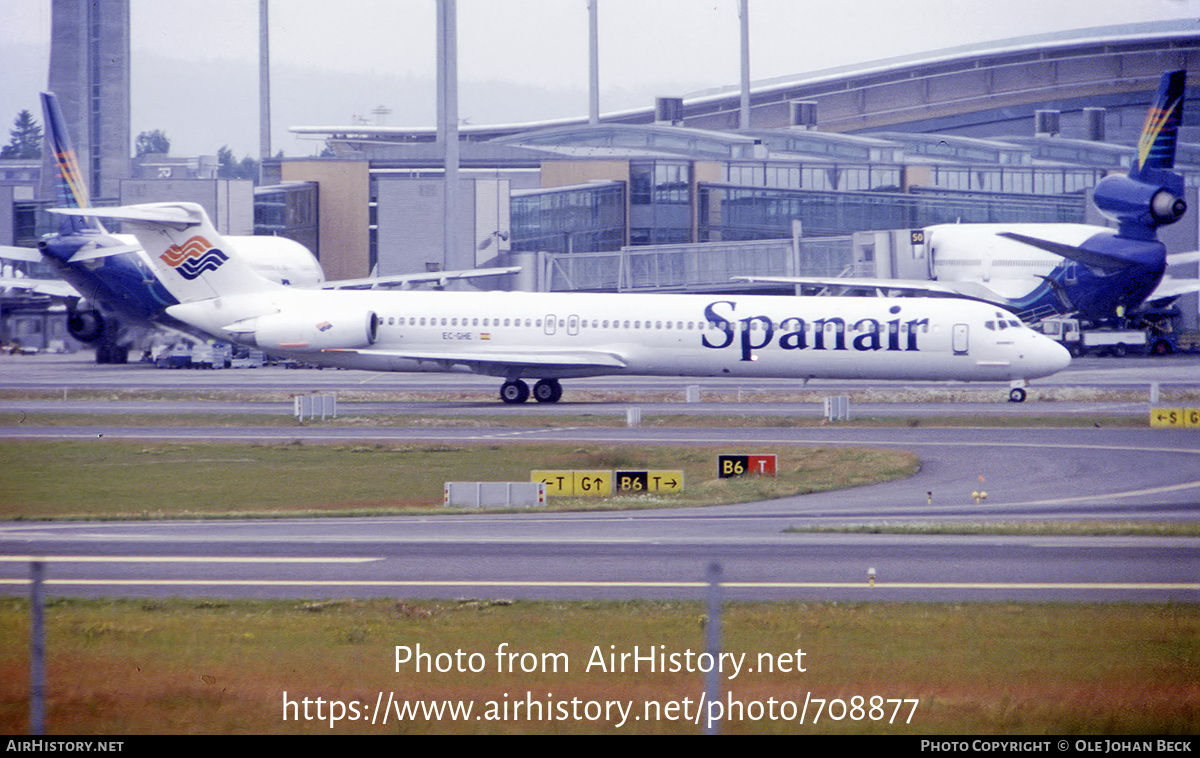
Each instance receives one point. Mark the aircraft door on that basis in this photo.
(573, 325)
(959, 339)
(551, 323)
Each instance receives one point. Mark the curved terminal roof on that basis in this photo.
(979, 90)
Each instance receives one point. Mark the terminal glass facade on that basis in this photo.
(742, 213)
(288, 210)
(580, 219)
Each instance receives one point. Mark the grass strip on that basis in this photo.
(117, 479)
(223, 667)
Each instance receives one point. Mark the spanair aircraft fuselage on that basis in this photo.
(551, 336)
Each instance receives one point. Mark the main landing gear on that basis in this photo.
(545, 391)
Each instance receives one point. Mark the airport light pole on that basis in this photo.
(447, 129)
(593, 62)
(264, 89)
(744, 23)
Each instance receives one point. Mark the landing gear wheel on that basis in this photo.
(1016, 395)
(514, 392)
(547, 391)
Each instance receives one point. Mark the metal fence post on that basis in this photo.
(37, 651)
(712, 680)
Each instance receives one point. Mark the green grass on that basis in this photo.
(221, 667)
(101, 478)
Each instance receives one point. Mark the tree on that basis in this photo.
(229, 167)
(26, 139)
(153, 142)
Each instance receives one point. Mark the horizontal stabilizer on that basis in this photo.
(1071, 252)
(89, 253)
(172, 216)
(51, 287)
(26, 254)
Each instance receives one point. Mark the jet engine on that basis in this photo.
(1140, 205)
(85, 326)
(351, 328)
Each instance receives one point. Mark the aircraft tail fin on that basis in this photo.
(1152, 194)
(1156, 147)
(193, 261)
(70, 188)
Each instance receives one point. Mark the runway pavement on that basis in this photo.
(1032, 474)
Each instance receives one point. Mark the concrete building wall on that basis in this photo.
(229, 202)
(410, 235)
(343, 198)
(566, 173)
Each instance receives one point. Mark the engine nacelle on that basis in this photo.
(1137, 204)
(85, 326)
(351, 328)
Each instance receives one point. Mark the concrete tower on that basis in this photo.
(89, 71)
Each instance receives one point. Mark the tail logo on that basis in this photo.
(194, 257)
(1156, 146)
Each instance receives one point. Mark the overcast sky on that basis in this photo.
(670, 46)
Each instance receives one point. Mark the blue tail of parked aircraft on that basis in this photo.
(1152, 194)
(70, 189)
(1156, 148)
(118, 288)
(1121, 271)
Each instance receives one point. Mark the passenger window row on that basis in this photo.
(754, 324)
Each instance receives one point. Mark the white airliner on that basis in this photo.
(554, 336)
(1040, 270)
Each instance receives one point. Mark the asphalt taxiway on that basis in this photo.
(1031, 474)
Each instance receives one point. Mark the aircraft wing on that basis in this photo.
(482, 359)
(51, 287)
(401, 280)
(970, 290)
(1071, 252)
(1170, 287)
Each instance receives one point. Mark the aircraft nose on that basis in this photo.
(1046, 356)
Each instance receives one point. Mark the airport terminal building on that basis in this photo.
(835, 168)
(1014, 131)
